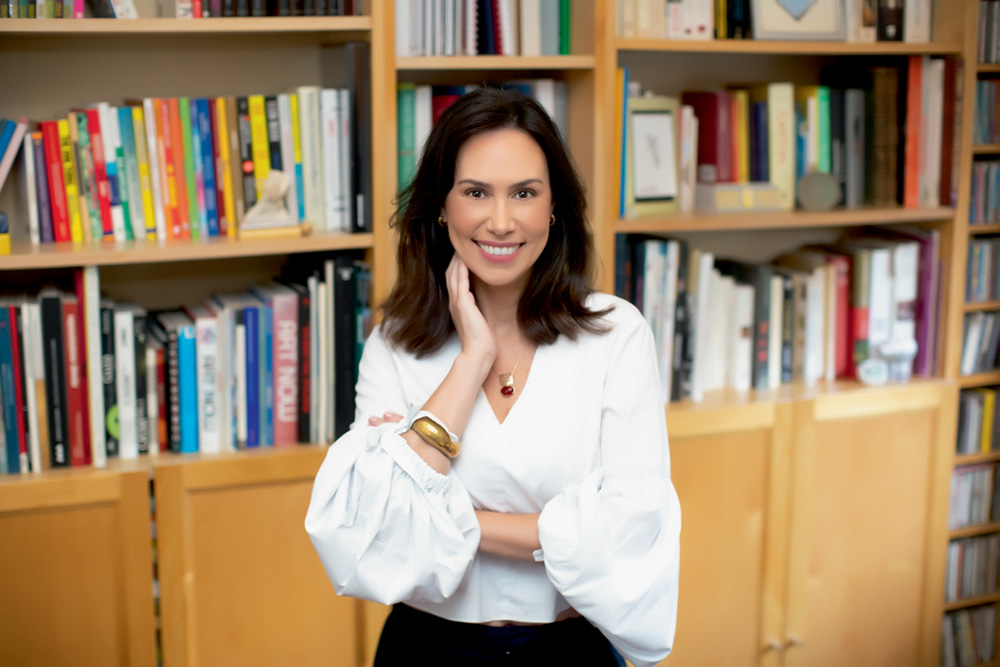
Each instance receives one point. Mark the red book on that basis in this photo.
(57, 189)
(100, 171)
(82, 342)
(164, 130)
(284, 302)
(19, 397)
(176, 151)
(220, 198)
(75, 385)
(843, 346)
(714, 110)
(914, 102)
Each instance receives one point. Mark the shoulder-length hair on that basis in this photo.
(416, 312)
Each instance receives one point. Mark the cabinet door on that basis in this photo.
(240, 582)
(870, 479)
(76, 579)
(729, 466)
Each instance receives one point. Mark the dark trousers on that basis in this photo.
(411, 636)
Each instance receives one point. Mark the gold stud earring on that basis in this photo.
(441, 221)
(552, 219)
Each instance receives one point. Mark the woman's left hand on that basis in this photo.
(385, 418)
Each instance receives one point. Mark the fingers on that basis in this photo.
(386, 417)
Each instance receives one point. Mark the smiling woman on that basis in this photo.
(506, 483)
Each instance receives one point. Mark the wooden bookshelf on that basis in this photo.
(973, 531)
(988, 68)
(971, 307)
(969, 459)
(64, 255)
(983, 229)
(767, 47)
(972, 602)
(82, 29)
(986, 149)
(499, 63)
(979, 379)
(696, 222)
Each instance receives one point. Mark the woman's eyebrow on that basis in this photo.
(480, 184)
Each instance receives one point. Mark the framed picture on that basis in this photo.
(796, 20)
(651, 156)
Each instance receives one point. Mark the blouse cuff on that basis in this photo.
(406, 457)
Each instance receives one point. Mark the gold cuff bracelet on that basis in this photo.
(436, 435)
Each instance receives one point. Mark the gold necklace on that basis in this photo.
(507, 379)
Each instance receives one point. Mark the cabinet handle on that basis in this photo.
(774, 645)
(794, 640)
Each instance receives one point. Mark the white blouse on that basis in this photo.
(585, 444)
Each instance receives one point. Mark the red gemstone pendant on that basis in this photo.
(507, 390)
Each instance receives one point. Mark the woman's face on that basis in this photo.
(499, 206)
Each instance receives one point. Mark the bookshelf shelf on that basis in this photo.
(984, 305)
(697, 222)
(969, 459)
(499, 63)
(973, 531)
(984, 229)
(979, 379)
(988, 68)
(66, 255)
(84, 28)
(767, 47)
(971, 602)
(986, 149)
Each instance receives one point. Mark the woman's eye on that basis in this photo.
(474, 193)
(524, 194)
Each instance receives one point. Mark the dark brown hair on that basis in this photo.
(416, 313)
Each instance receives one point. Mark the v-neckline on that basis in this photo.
(518, 393)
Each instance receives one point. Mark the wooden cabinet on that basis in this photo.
(240, 583)
(76, 575)
(812, 528)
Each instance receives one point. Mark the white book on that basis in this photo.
(312, 283)
(404, 23)
(344, 157)
(449, 27)
(312, 155)
(240, 377)
(427, 23)
(688, 167)
(880, 303)
(460, 27)
(774, 332)
(152, 396)
(830, 323)
(35, 367)
(227, 365)
(698, 20)
(285, 122)
(550, 27)
(917, 21)
(111, 137)
(95, 382)
(703, 324)
(471, 12)
(128, 438)
(423, 118)
(741, 338)
(334, 215)
(814, 350)
(933, 116)
(720, 361)
(30, 189)
(668, 307)
(438, 28)
(206, 331)
(531, 27)
(852, 20)
(157, 179)
(508, 27)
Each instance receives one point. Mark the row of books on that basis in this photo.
(190, 168)
(980, 341)
(862, 20)
(893, 141)
(812, 314)
(988, 25)
(226, 8)
(482, 27)
(978, 422)
(974, 498)
(85, 378)
(972, 566)
(420, 106)
(986, 127)
(968, 636)
(982, 275)
(984, 204)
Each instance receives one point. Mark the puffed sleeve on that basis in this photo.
(386, 526)
(611, 545)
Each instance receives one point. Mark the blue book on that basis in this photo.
(266, 339)
(6, 133)
(188, 366)
(251, 322)
(621, 158)
(208, 167)
(199, 170)
(10, 455)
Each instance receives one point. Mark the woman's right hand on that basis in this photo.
(473, 331)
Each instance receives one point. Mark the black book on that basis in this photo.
(486, 29)
(141, 379)
(108, 375)
(18, 331)
(838, 139)
(682, 350)
(168, 339)
(359, 86)
(246, 152)
(345, 339)
(51, 308)
(759, 276)
(273, 131)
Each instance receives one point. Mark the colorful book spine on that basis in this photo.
(143, 177)
(187, 366)
(154, 159)
(293, 100)
(100, 173)
(170, 193)
(251, 321)
(190, 179)
(9, 454)
(220, 196)
(225, 172)
(208, 167)
(260, 146)
(111, 137)
(245, 144)
(45, 229)
(128, 174)
(70, 186)
(89, 198)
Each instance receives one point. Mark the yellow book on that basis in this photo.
(225, 166)
(260, 147)
(989, 405)
(69, 181)
(741, 133)
(145, 180)
(293, 100)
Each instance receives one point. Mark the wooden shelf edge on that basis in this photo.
(424, 63)
(766, 47)
(182, 27)
(694, 222)
(988, 67)
(982, 305)
(66, 255)
(983, 229)
(985, 149)
(972, 602)
(979, 379)
(974, 531)
(971, 459)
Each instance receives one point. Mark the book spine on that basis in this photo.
(286, 369)
(70, 187)
(95, 381)
(45, 224)
(125, 360)
(89, 198)
(221, 214)
(266, 357)
(9, 453)
(310, 126)
(293, 101)
(259, 144)
(305, 364)
(287, 146)
(207, 352)
(100, 172)
(153, 224)
(188, 166)
(57, 186)
(345, 300)
(251, 322)
(171, 192)
(162, 399)
(152, 402)
(111, 137)
(211, 208)
(75, 399)
(235, 165)
(55, 379)
(247, 153)
(108, 379)
(359, 86)
(141, 371)
(128, 169)
(157, 173)
(272, 121)
(187, 363)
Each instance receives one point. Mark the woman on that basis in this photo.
(555, 529)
